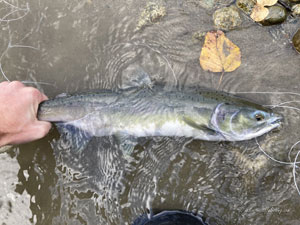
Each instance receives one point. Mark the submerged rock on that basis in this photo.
(277, 14)
(296, 41)
(151, 14)
(210, 5)
(227, 18)
(207, 4)
(296, 10)
(199, 35)
(245, 5)
(5, 148)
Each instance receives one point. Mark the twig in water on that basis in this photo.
(291, 149)
(270, 157)
(294, 172)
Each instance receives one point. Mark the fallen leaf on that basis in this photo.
(219, 54)
(266, 2)
(259, 13)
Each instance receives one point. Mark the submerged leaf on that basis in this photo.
(259, 13)
(266, 2)
(219, 54)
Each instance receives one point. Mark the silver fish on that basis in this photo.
(143, 111)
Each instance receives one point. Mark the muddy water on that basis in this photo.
(87, 44)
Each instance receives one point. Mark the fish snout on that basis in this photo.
(276, 119)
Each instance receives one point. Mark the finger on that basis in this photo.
(16, 84)
(35, 97)
(44, 97)
(4, 84)
(34, 94)
(42, 128)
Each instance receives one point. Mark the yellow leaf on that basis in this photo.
(219, 54)
(259, 13)
(266, 2)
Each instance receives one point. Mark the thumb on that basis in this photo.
(42, 128)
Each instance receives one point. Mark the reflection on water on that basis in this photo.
(87, 44)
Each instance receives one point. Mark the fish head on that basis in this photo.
(239, 122)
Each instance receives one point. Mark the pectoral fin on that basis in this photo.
(202, 127)
(73, 137)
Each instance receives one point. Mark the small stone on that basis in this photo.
(296, 10)
(245, 5)
(296, 41)
(199, 35)
(227, 18)
(5, 148)
(207, 4)
(277, 14)
(151, 14)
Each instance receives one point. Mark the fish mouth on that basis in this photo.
(276, 120)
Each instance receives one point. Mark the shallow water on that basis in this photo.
(88, 44)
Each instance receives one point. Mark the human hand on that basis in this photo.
(18, 110)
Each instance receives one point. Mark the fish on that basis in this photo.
(147, 111)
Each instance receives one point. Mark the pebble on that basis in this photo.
(277, 14)
(151, 14)
(207, 4)
(296, 10)
(227, 18)
(245, 5)
(199, 35)
(296, 41)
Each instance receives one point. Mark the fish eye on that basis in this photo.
(259, 117)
